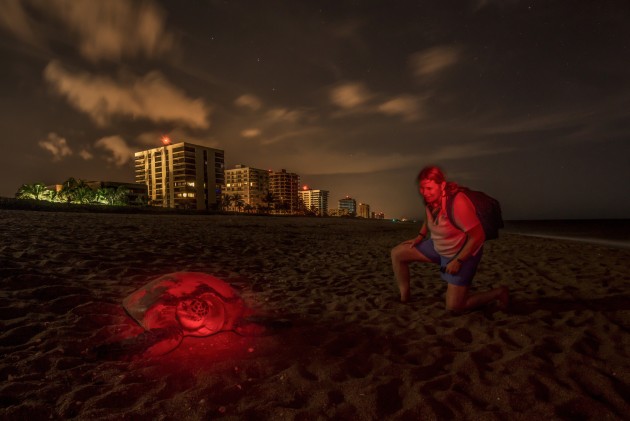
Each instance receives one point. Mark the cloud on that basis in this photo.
(16, 19)
(152, 139)
(251, 133)
(248, 101)
(151, 97)
(432, 61)
(121, 153)
(114, 28)
(284, 115)
(106, 30)
(86, 155)
(291, 134)
(349, 95)
(56, 145)
(404, 105)
(354, 98)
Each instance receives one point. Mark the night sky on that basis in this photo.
(526, 100)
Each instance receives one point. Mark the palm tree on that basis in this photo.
(238, 201)
(50, 195)
(68, 189)
(83, 194)
(31, 191)
(284, 207)
(121, 196)
(269, 200)
(226, 201)
(105, 195)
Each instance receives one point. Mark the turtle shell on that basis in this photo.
(196, 302)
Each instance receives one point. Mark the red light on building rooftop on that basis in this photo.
(166, 140)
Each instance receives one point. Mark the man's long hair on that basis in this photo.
(437, 175)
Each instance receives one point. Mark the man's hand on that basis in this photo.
(416, 241)
(453, 267)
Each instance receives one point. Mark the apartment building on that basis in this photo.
(315, 200)
(284, 187)
(252, 184)
(348, 206)
(363, 210)
(181, 175)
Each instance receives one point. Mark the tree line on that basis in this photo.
(75, 191)
(79, 192)
(235, 202)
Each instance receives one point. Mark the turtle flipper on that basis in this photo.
(151, 343)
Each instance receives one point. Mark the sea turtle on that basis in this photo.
(183, 304)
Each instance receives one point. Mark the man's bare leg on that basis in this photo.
(459, 299)
(402, 255)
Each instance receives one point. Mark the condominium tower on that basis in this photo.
(181, 175)
(252, 184)
(348, 206)
(284, 188)
(363, 210)
(315, 200)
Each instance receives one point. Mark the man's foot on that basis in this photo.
(503, 301)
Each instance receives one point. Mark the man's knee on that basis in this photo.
(395, 253)
(456, 298)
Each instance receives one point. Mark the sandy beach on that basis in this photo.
(351, 350)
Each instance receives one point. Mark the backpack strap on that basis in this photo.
(450, 202)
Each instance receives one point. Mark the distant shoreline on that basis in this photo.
(611, 232)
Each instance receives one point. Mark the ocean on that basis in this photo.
(610, 232)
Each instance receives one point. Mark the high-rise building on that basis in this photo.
(348, 206)
(252, 184)
(315, 200)
(181, 175)
(284, 187)
(379, 215)
(364, 210)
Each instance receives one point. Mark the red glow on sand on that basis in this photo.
(207, 353)
(210, 315)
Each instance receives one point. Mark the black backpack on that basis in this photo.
(488, 211)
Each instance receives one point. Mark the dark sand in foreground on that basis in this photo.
(352, 353)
